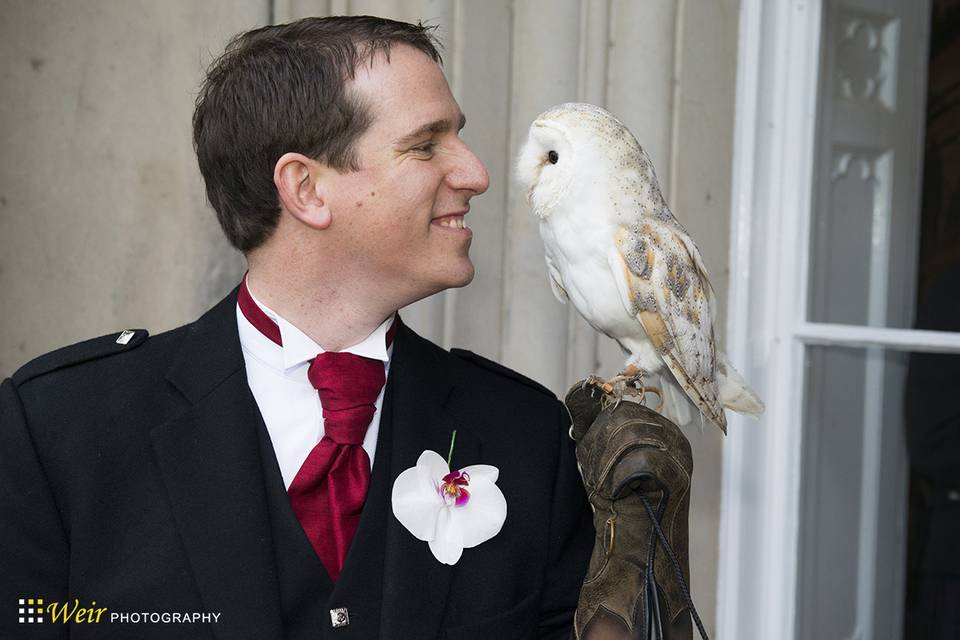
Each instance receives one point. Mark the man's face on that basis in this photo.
(400, 214)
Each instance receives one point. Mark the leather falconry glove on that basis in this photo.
(636, 467)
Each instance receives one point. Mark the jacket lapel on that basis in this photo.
(415, 584)
(210, 462)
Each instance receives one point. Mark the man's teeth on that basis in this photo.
(453, 222)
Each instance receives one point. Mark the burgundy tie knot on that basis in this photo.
(348, 386)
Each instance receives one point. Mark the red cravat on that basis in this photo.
(328, 492)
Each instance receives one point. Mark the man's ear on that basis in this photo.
(299, 182)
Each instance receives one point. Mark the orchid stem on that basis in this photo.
(453, 439)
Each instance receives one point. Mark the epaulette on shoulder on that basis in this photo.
(499, 369)
(79, 353)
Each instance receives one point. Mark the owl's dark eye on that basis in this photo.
(553, 157)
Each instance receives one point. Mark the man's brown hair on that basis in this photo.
(280, 89)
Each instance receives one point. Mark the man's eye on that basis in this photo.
(425, 148)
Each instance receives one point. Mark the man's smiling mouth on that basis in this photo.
(453, 222)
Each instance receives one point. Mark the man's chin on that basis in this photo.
(455, 278)
(449, 280)
(465, 278)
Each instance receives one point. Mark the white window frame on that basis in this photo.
(767, 330)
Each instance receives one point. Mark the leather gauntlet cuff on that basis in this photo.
(628, 455)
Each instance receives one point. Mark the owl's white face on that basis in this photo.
(545, 165)
(570, 151)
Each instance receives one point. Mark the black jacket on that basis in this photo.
(141, 477)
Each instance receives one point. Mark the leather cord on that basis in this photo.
(676, 565)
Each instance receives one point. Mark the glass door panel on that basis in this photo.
(865, 230)
(854, 504)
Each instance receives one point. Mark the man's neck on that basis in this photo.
(335, 317)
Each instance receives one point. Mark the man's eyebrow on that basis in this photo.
(431, 128)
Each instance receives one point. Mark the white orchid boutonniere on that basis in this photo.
(450, 510)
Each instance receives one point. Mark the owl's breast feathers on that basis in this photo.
(576, 261)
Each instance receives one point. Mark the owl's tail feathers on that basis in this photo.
(678, 407)
(735, 394)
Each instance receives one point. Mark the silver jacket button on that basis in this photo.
(339, 617)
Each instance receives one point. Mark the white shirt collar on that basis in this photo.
(298, 348)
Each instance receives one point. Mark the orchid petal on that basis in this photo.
(416, 503)
(482, 472)
(433, 464)
(483, 516)
(447, 547)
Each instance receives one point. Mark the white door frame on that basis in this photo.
(777, 77)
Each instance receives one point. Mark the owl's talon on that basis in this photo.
(658, 393)
(632, 371)
(595, 383)
(628, 382)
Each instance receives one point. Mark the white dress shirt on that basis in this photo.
(288, 402)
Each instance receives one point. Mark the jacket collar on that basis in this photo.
(210, 353)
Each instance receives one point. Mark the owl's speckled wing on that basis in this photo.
(670, 295)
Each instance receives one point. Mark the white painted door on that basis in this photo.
(828, 159)
(862, 261)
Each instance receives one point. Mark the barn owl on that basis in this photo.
(615, 250)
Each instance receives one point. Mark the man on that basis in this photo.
(242, 465)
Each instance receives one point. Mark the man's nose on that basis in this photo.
(468, 172)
